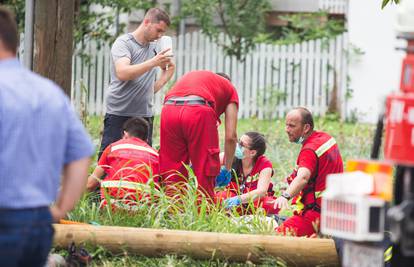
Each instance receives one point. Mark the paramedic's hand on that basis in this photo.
(281, 203)
(232, 202)
(224, 177)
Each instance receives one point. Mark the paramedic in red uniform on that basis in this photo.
(189, 121)
(252, 174)
(318, 157)
(129, 164)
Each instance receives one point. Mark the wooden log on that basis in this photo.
(294, 251)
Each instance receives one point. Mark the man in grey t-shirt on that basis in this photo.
(134, 58)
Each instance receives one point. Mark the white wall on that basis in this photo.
(376, 73)
(295, 5)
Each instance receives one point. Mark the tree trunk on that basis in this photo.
(333, 105)
(53, 41)
(294, 251)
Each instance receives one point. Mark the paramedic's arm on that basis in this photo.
(125, 71)
(230, 137)
(93, 179)
(73, 185)
(301, 179)
(262, 186)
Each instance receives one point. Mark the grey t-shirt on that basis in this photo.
(134, 97)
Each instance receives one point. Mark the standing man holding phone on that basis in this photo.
(134, 58)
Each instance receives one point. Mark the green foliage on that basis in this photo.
(332, 117)
(385, 2)
(354, 141)
(17, 7)
(241, 22)
(90, 24)
(304, 27)
(94, 25)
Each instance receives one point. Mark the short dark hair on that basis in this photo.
(8, 30)
(137, 127)
(306, 116)
(155, 15)
(258, 143)
(224, 75)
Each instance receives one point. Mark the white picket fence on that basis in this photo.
(334, 6)
(271, 80)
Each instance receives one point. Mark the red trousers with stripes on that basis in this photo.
(189, 135)
(304, 224)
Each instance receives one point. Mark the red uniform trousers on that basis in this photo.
(304, 224)
(266, 202)
(189, 134)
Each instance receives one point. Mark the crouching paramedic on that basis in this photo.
(318, 157)
(252, 172)
(131, 166)
(189, 121)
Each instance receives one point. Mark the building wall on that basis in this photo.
(376, 73)
(295, 5)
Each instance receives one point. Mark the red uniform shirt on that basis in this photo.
(130, 160)
(212, 87)
(319, 154)
(249, 182)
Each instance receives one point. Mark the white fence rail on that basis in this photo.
(271, 80)
(334, 6)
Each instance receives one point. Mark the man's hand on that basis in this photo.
(169, 69)
(232, 202)
(56, 213)
(281, 203)
(224, 177)
(161, 59)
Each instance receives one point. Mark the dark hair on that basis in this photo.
(306, 116)
(8, 30)
(156, 15)
(137, 127)
(222, 74)
(258, 143)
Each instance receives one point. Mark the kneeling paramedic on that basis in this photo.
(131, 166)
(318, 157)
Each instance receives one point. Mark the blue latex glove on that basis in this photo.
(224, 177)
(232, 202)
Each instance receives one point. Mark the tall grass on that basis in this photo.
(189, 213)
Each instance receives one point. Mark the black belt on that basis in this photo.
(313, 206)
(187, 102)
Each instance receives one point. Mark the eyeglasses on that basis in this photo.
(243, 144)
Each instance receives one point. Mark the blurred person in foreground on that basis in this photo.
(43, 146)
(318, 157)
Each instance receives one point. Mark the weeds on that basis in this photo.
(189, 213)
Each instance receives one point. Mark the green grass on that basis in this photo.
(354, 142)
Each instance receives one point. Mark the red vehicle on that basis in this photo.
(362, 220)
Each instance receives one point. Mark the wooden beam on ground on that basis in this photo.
(294, 251)
(53, 40)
